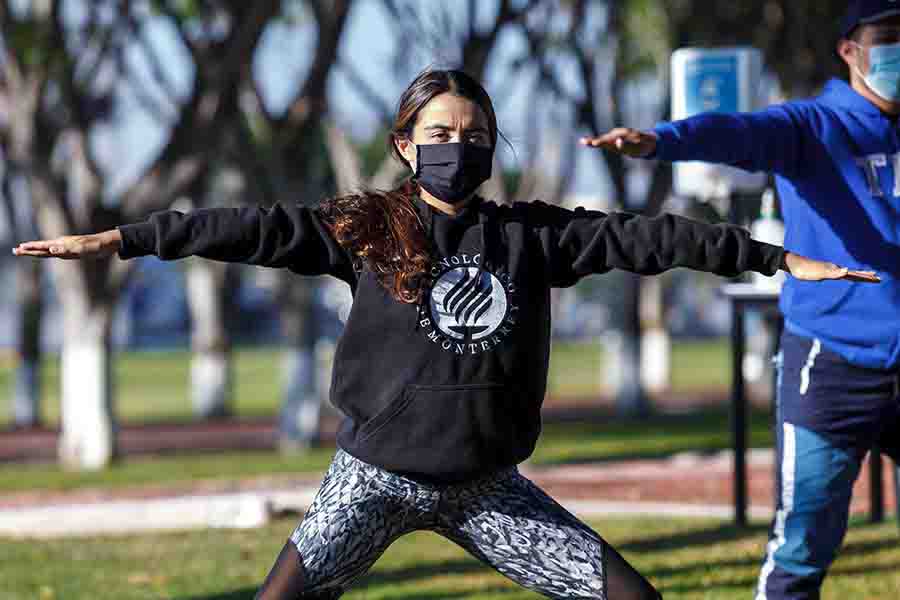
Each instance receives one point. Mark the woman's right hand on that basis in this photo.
(96, 245)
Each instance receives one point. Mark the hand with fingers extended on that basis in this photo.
(97, 245)
(630, 142)
(809, 269)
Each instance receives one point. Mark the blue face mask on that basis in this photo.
(884, 71)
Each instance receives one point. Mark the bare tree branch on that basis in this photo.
(387, 174)
(381, 107)
(309, 101)
(344, 160)
(203, 119)
(150, 55)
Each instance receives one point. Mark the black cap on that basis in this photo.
(863, 12)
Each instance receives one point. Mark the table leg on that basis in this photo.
(776, 406)
(739, 415)
(897, 492)
(876, 487)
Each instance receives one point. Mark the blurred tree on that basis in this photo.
(63, 68)
(466, 36)
(597, 45)
(797, 37)
(206, 34)
(276, 149)
(26, 388)
(45, 142)
(613, 48)
(282, 150)
(617, 46)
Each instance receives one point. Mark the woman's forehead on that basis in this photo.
(453, 111)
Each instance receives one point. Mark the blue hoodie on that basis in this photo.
(836, 159)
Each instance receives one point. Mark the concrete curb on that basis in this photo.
(254, 509)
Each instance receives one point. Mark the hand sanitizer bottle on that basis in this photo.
(767, 228)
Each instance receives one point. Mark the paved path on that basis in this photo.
(689, 485)
(39, 444)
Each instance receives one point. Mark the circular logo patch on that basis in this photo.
(468, 305)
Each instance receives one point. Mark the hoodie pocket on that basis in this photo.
(452, 431)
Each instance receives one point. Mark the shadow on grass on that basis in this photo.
(384, 578)
(746, 583)
(865, 570)
(569, 441)
(695, 537)
(749, 583)
(242, 594)
(701, 567)
(456, 566)
(497, 591)
(381, 580)
(729, 533)
(870, 546)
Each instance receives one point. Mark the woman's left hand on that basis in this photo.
(809, 269)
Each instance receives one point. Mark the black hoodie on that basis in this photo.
(451, 389)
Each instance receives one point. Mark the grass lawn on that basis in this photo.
(685, 559)
(153, 386)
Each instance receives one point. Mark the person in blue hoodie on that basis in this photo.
(442, 366)
(836, 160)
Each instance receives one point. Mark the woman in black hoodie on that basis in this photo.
(442, 367)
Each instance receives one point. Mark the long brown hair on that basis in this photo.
(382, 229)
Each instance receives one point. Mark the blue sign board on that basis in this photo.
(721, 80)
(711, 84)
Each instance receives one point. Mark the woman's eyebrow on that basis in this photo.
(439, 126)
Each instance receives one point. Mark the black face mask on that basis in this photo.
(450, 172)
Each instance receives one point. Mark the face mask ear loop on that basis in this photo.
(418, 170)
(856, 64)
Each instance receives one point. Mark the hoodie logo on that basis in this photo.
(464, 304)
(469, 309)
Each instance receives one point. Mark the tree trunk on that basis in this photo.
(87, 291)
(644, 350)
(88, 440)
(301, 404)
(631, 399)
(655, 342)
(211, 368)
(27, 390)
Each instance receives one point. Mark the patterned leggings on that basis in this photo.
(504, 520)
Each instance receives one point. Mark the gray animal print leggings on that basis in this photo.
(504, 520)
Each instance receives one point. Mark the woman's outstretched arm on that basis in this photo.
(284, 235)
(580, 242)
